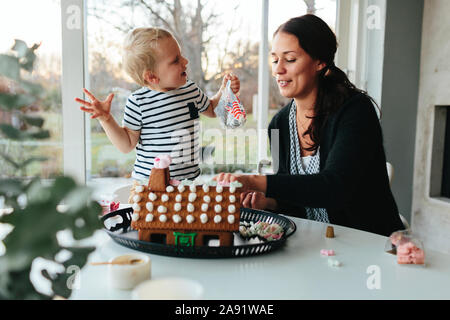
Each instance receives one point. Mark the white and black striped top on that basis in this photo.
(169, 124)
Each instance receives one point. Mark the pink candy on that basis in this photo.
(326, 252)
(163, 161)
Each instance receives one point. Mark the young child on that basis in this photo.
(162, 117)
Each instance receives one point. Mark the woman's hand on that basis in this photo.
(97, 109)
(226, 178)
(254, 200)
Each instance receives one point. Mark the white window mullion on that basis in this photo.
(73, 80)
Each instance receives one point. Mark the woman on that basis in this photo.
(331, 162)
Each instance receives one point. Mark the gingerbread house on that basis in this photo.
(185, 213)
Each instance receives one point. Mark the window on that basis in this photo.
(30, 26)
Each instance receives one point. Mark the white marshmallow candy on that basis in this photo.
(149, 206)
(163, 218)
(232, 199)
(219, 198)
(204, 218)
(149, 217)
(192, 197)
(207, 199)
(190, 218)
(177, 207)
(136, 207)
(190, 207)
(192, 188)
(181, 188)
(218, 208)
(136, 198)
(139, 188)
(178, 198)
(232, 188)
(135, 217)
(162, 209)
(176, 218)
(231, 208)
(152, 196)
(204, 207)
(205, 188)
(170, 189)
(219, 189)
(164, 198)
(217, 219)
(231, 219)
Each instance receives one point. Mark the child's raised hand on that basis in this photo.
(235, 83)
(97, 109)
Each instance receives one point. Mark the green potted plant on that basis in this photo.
(38, 210)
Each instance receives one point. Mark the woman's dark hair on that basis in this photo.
(334, 87)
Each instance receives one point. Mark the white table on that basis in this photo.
(297, 271)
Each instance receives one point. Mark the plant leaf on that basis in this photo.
(32, 120)
(9, 67)
(10, 102)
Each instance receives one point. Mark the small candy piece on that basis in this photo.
(232, 188)
(217, 218)
(149, 206)
(205, 188)
(152, 196)
(164, 198)
(176, 218)
(219, 188)
(139, 188)
(136, 198)
(232, 199)
(207, 199)
(204, 207)
(190, 207)
(177, 206)
(192, 188)
(190, 218)
(181, 187)
(135, 216)
(136, 207)
(149, 217)
(170, 189)
(192, 196)
(219, 198)
(231, 219)
(163, 218)
(231, 208)
(333, 263)
(178, 198)
(330, 232)
(326, 252)
(218, 208)
(203, 218)
(162, 209)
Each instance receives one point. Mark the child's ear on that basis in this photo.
(321, 65)
(150, 77)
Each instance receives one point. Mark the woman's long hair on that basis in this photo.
(334, 87)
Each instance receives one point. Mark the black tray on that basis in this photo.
(124, 235)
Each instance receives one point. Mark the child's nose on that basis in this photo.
(186, 61)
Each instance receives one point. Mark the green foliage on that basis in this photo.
(39, 211)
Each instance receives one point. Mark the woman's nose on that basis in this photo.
(278, 68)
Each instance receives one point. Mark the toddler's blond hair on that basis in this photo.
(139, 52)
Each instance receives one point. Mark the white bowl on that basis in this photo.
(128, 276)
(168, 289)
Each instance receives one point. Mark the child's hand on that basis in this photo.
(97, 109)
(235, 83)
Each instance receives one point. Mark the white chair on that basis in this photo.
(390, 171)
(122, 194)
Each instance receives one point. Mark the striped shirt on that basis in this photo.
(169, 124)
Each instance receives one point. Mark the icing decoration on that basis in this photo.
(207, 199)
(135, 216)
(136, 198)
(136, 207)
(205, 188)
(170, 189)
(139, 188)
(152, 196)
(192, 188)
(232, 199)
(180, 188)
(192, 197)
(176, 218)
(178, 198)
(177, 206)
(164, 198)
(231, 208)
(219, 188)
(218, 208)
(232, 189)
(190, 207)
(204, 207)
(163, 161)
(162, 209)
(190, 218)
(219, 198)
(163, 218)
(149, 206)
(149, 217)
(203, 218)
(217, 219)
(231, 219)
